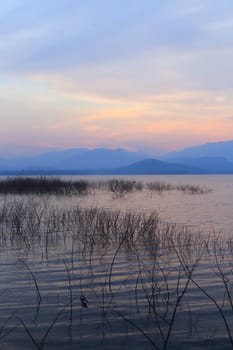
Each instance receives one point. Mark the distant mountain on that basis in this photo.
(208, 165)
(101, 158)
(214, 149)
(212, 158)
(155, 166)
(147, 166)
(77, 158)
(144, 167)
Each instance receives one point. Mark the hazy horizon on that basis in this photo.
(213, 149)
(14, 151)
(154, 76)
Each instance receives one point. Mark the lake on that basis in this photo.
(213, 212)
(143, 270)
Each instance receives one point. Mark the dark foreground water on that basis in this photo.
(100, 272)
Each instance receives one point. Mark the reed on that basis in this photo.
(39, 344)
(35, 282)
(160, 187)
(193, 189)
(42, 185)
(166, 258)
(118, 187)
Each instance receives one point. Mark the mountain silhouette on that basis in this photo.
(77, 158)
(208, 165)
(213, 149)
(155, 166)
(211, 158)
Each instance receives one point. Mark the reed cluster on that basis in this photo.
(165, 269)
(42, 185)
(118, 187)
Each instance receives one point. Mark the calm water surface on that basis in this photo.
(131, 286)
(211, 212)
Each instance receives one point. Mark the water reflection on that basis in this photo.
(146, 284)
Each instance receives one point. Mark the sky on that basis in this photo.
(151, 75)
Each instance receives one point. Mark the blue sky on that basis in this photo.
(149, 75)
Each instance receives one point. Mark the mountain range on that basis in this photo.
(222, 149)
(210, 158)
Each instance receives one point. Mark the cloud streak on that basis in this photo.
(115, 73)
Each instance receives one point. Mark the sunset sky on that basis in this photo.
(151, 75)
